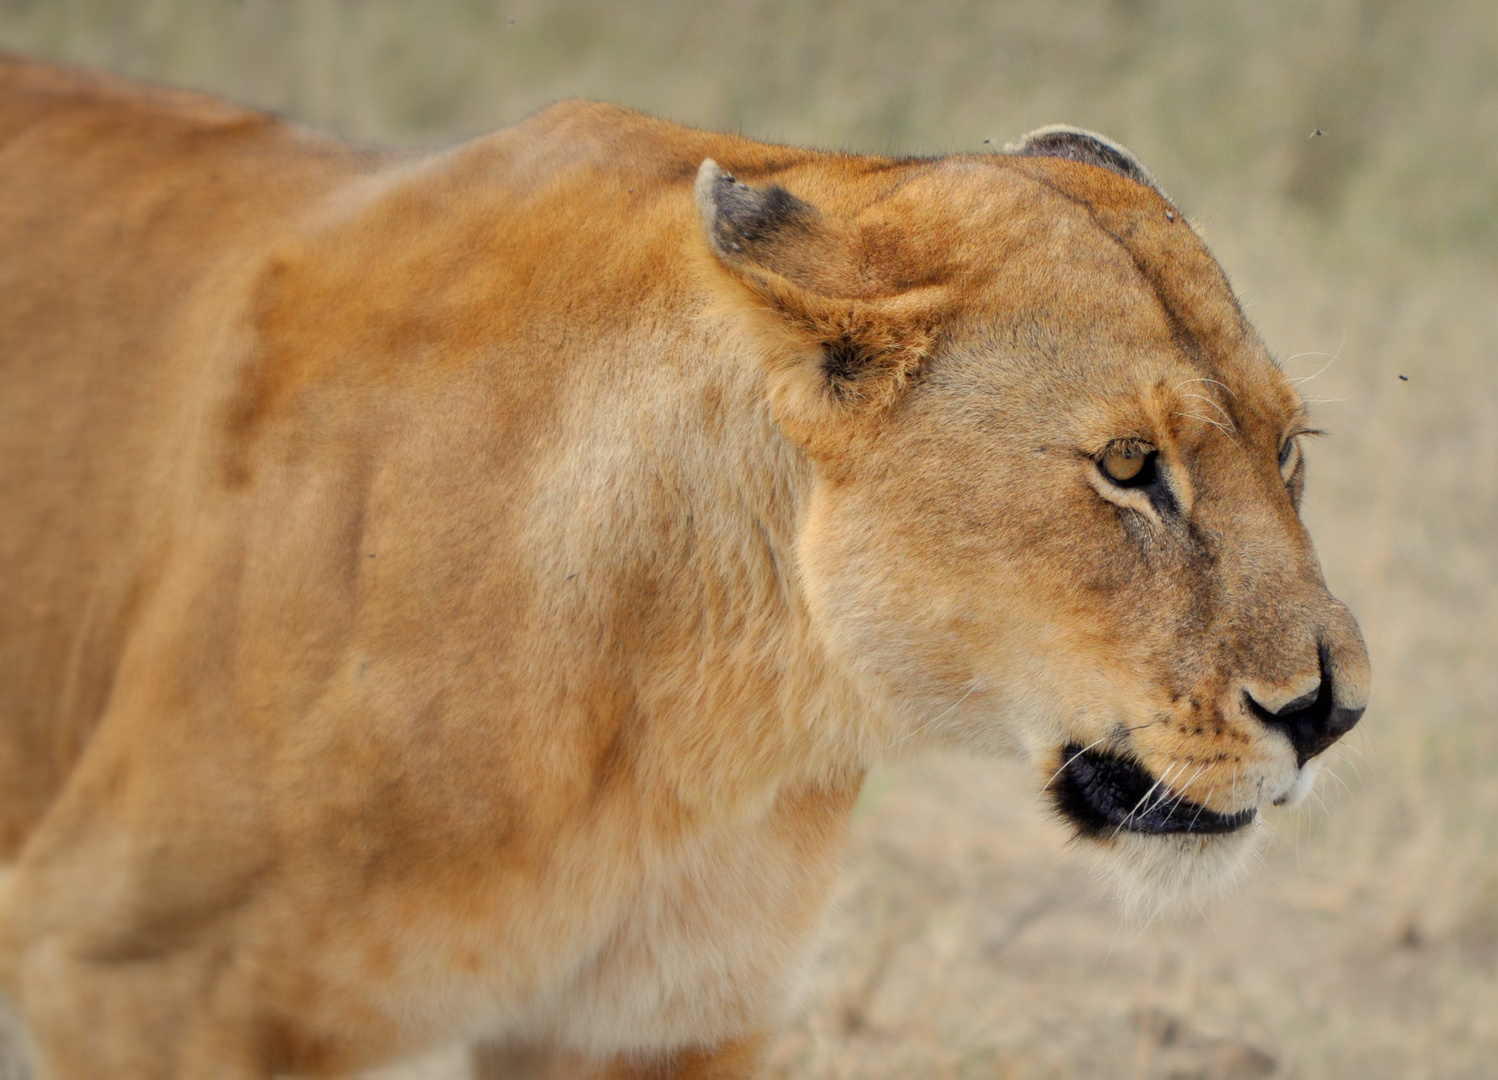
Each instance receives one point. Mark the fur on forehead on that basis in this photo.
(1169, 405)
(1088, 147)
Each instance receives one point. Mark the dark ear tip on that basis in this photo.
(735, 215)
(1088, 147)
(709, 176)
(710, 193)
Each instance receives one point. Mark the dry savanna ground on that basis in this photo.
(968, 941)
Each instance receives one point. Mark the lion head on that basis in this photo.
(1058, 479)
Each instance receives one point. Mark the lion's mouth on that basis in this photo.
(1101, 793)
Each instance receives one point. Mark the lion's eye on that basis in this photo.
(1289, 458)
(1128, 466)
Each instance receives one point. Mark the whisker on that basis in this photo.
(947, 712)
(1145, 797)
(1224, 413)
(1067, 762)
(1320, 798)
(1333, 356)
(1193, 415)
(1130, 815)
(1200, 807)
(1198, 416)
(1358, 750)
(1181, 793)
(1213, 382)
(1342, 783)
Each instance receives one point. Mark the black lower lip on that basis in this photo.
(1102, 793)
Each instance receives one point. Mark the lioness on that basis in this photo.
(457, 596)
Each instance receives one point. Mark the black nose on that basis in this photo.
(1312, 722)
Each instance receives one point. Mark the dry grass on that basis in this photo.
(967, 942)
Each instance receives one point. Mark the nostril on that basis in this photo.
(1306, 726)
(1313, 721)
(1300, 704)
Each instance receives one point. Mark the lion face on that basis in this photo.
(1102, 579)
(1057, 508)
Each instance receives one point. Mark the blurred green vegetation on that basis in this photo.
(1219, 98)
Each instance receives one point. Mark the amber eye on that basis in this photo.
(1128, 466)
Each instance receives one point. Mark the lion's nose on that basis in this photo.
(1312, 721)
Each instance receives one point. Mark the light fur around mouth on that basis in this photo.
(1154, 875)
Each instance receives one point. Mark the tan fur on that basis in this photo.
(445, 596)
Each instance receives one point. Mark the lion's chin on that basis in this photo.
(1157, 875)
(1159, 851)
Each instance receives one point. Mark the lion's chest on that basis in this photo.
(689, 944)
(708, 939)
(710, 943)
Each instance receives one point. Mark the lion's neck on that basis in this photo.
(692, 506)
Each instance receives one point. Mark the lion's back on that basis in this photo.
(176, 270)
(121, 207)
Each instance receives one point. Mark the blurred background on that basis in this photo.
(967, 940)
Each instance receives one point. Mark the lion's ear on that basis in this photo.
(1088, 147)
(825, 301)
(753, 226)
